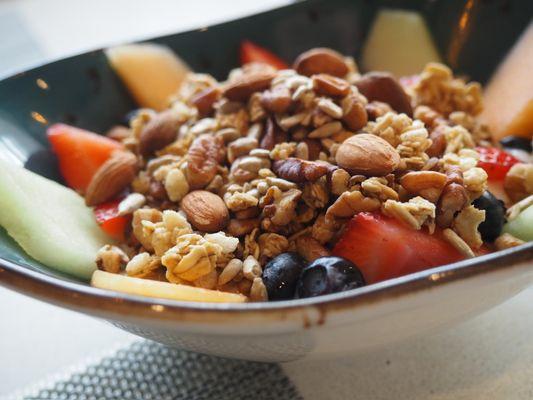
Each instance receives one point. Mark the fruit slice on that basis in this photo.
(150, 71)
(522, 226)
(383, 248)
(164, 290)
(508, 97)
(495, 162)
(49, 221)
(110, 222)
(399, 42)
(250, 52)
(80, 153)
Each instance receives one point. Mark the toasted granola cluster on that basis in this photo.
(290, 156)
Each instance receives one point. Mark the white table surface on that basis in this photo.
(489, 357)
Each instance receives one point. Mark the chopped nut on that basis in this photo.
(466, 224)
(271, 245)
(300, 171)
(241, 227)
(131, 203)
(326, 130)
(324, 229)
(176, 184)
(518, 182)
(142, 264)
(454, 197)
(428, 184)
(339, 181)
(203, 157)
(328, 85)
(330, 108)
(277, 100)
(281, 207)
(145, 214)
(251, 268)
(415, 213)
(506, 241)
(315, 194)
(459, 244)
(382, 86)
(350, 203)
(378, 188)
(205, 99)
(302, 151)
(246, 168)
(258, 290)
(240, 201)
(282, 151)
(228, 134)
(230, 271)
(354, 113)
(160, 130)
(310, 248)
(111, 259)
(241, 147)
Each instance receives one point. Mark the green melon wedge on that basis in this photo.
(522, 226)
(49, 221)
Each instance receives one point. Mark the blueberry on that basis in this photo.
(516, 142)
(281, 274)
(491, 228)
(329, 275)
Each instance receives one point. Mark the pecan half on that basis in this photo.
(273, 135)
(242, 87)
(320, 60)
(328, 85)
(113, 176)
(382, 86)
(453, 199)
(203, 157)
(161, 130)
(300, 171)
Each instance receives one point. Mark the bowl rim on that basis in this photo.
(76, 295)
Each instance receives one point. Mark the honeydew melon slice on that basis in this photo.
(158, 289)
(522, 226)
(399, 42)
(49, 221)
(151, 72)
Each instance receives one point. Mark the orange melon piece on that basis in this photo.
(509, 94)
(151, 72)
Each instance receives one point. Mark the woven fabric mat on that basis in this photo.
(146, 370)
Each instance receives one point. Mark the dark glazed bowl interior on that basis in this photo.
(472, 36)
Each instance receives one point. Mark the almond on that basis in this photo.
(321, 60)
(328, 85)
(368, 155)
(354, 113)
(159, 131)
(205, 100)
(113, 176)
(242, 87)
(205, 211)
(382, 86)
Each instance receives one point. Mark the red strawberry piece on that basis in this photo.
(495, 162)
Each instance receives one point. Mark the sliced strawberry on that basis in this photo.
(495, 162)
(250, 52)
(80, 153)
(107, 217)
(383, 248)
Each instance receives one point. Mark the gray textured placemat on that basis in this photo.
(146, 370)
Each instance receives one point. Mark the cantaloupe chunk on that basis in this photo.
(399, 42)
(151, 72)
(509, 94)
(49, 221)
(164, 290)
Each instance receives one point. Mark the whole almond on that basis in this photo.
(205, 100)
(205, 211)
(328, 85)
(382, 86)
(367, 155)
(159, 131)
(242, 87)
(113, 176)
(321, 60)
